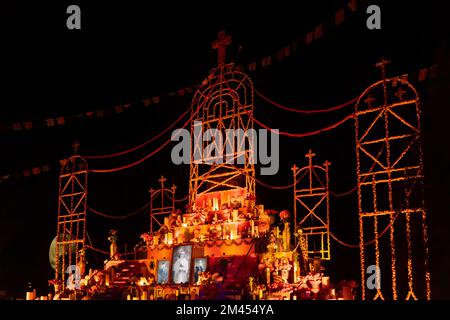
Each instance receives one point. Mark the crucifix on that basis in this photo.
(162, 179)
(220, 44)
(174, 187)
(310, 155)
(75, 147)
(382, 65)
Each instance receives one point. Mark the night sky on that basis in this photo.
(127, 52)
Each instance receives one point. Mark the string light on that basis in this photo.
(305, 134)
(133, 164)
(303, 111)
(105, 215)
(117, 154)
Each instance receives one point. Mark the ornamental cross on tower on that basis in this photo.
(310, 155)
(221, 44)
(162, 180)
(75, 146)
(382, 65)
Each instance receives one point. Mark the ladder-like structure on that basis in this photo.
(312, 208)
(71, 223)
(162, 204)
(223, 103)
(390, 189)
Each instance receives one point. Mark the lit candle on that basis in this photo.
(234, 215)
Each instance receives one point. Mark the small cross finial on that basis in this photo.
(174, 187)
(162, 180)
(382, 65)
(294, 168)
(310, 154)
(327, 164)
(220, 44)
(75, 146)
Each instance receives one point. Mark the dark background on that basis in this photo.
(128, 51)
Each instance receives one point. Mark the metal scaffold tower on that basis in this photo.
(224, 101)
(311, 207)
(390, 189)
(71, 224)
(162, 204)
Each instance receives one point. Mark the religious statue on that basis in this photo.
(285, 267)
(286, 235)
(272, 247)
(113, 247)
(82, 263)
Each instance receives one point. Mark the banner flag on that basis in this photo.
(28, 125)
(155, 99)
(118, 109)
(309, 37)
(318, 31)
(423, 74)
(339, 17)
(352, 5)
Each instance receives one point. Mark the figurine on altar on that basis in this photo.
(250, 289)
(113, 247)
(82, 264)
(272, 247)
(285, 267)
(148, 239)
(173, 219)
(179, 220)
(286, 235)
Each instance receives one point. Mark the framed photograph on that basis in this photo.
(184, 290)
(181, 264)
(163, 271)
(194, 292)
(159, 293)
(200, 265)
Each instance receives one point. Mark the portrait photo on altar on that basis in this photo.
(181, 266)
(199, 267)
(163, 271)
